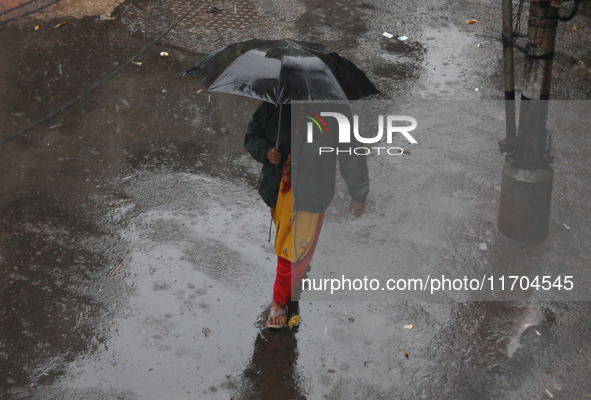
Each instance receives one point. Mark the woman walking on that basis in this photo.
(297, 216)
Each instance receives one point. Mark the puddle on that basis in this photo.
(448, 61)
(530, 317)
(195, 263)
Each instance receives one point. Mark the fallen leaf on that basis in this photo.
(61, 24)
(199, 91)
(404, 353)
(494, 295)
(574, 28)
(37, 27)
(113, 271)
(407, 152)
(471, 21)
(206, 332)
(293, 321)
(574, 60)
(408, 326)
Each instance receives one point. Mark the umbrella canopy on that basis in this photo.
(282, 71)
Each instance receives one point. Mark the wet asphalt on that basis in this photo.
(133, 243)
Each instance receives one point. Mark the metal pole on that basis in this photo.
(537, 76)
(526, 188)
(508, 69)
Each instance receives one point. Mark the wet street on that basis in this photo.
(134, 252)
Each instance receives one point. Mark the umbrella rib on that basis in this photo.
(216, 84)
(304, 75)
(320, 56)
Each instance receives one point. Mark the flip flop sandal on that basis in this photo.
(278, 313)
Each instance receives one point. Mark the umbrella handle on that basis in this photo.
(279, 126)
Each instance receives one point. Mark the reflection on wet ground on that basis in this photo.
(273, 369)
(133, 242)
(196, 269)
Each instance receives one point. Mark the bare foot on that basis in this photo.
(279, 320)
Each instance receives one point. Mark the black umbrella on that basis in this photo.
(282, 71)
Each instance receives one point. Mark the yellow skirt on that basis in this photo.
(295, 230)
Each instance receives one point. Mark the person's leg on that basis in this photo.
(295, 241)
(281, 292)
(282, 286)
(289, 275)
(306, 246)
